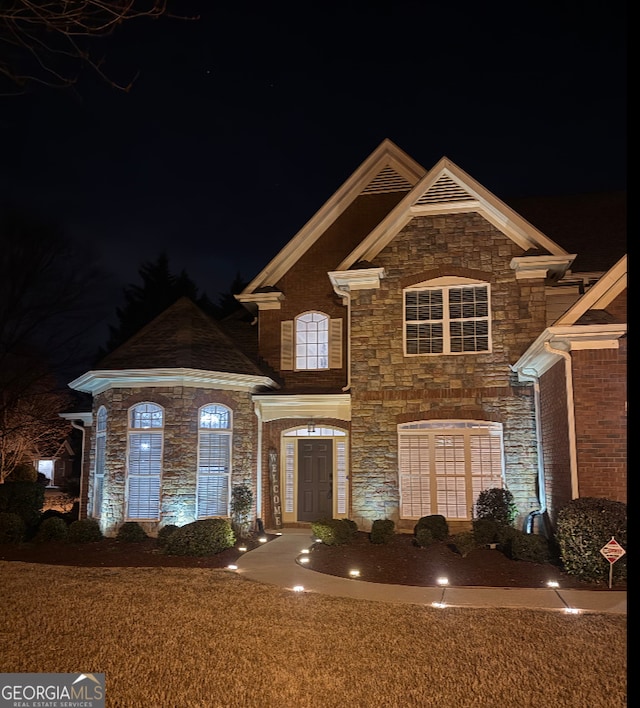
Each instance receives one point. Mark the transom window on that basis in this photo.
(214, 461)
(447, 319)
(312, 341)
(144, 461)
(444, 465)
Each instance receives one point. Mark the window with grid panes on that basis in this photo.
(312, 341)
(452, 319)
(144, 461)
(444, 465)
(214, 461)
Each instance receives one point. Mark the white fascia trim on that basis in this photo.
(386, 154)
(608, 287)
(537, 359)
(85, 416)
(307, 406)
(361, 279)
(481, 200)
(98, 381)
(541, 266)
(264, 301)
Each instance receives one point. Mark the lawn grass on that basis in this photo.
(168, 637)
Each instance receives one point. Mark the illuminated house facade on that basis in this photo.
(416, 342)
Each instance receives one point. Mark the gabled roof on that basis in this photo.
(612, 283)
(387, 169)
(447, 189)
(585, 325)
(181, 346)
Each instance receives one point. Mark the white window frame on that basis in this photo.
(215, 431)
(98, 472)
(144, 473)
(443, 465)
(312, 341)
(441, 323)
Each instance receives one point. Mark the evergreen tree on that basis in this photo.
(159, 290)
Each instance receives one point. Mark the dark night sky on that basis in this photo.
(243, 123)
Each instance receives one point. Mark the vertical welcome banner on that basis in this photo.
(274, 483)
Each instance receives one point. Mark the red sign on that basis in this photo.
(612, 551)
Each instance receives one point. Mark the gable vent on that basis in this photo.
(388, 180)
(444, 190)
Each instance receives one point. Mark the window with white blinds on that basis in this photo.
(214, 461)
(98, 477)
(144, 461)
(444, 465)
(447, 320)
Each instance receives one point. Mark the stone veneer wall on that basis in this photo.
(388, 388)
(180, 450)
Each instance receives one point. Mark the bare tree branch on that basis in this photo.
(49, 42)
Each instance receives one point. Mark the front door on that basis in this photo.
(315, 480)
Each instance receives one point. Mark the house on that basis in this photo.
(416, 342)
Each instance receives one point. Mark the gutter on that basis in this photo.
(346, 298)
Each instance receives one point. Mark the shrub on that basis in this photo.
(504, 536)
(12, 527)
(497, 504)
(382, 530)
(53, 528)
(485, 531)
(131, 532)
(464, 542)
(25, 499)
(24, 472)
(334, 532)
(165, 533)
(529, 547)
(204, 537)
(436, 523)
(424, 537)
(583, 527)
(85, 531)
(241, 503)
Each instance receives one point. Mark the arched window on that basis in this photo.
(144, 461)
(312, 341)
(448, 315)
(445, 464)
(214, 461)
(98, 477)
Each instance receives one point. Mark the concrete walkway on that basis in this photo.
(277, 563)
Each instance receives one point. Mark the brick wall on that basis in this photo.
(600, 383)
(179, 464)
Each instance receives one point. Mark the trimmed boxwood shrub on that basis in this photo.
(485, 531)
(464, 542)
(436, 523)
(424, 537)
(12, 527)
(131, 532)
(334, 532)
(85, 531)
(52, 528)
(25, 499)
(497, 504)
(382, 530)
(583, 527)
(165, 533)
(528, 547)
(204, 537)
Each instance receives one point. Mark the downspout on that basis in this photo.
(258, 413)
(571, 416)
(542, 491)
(346, 299)
(84, 433)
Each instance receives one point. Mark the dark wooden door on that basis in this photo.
(315, 480)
